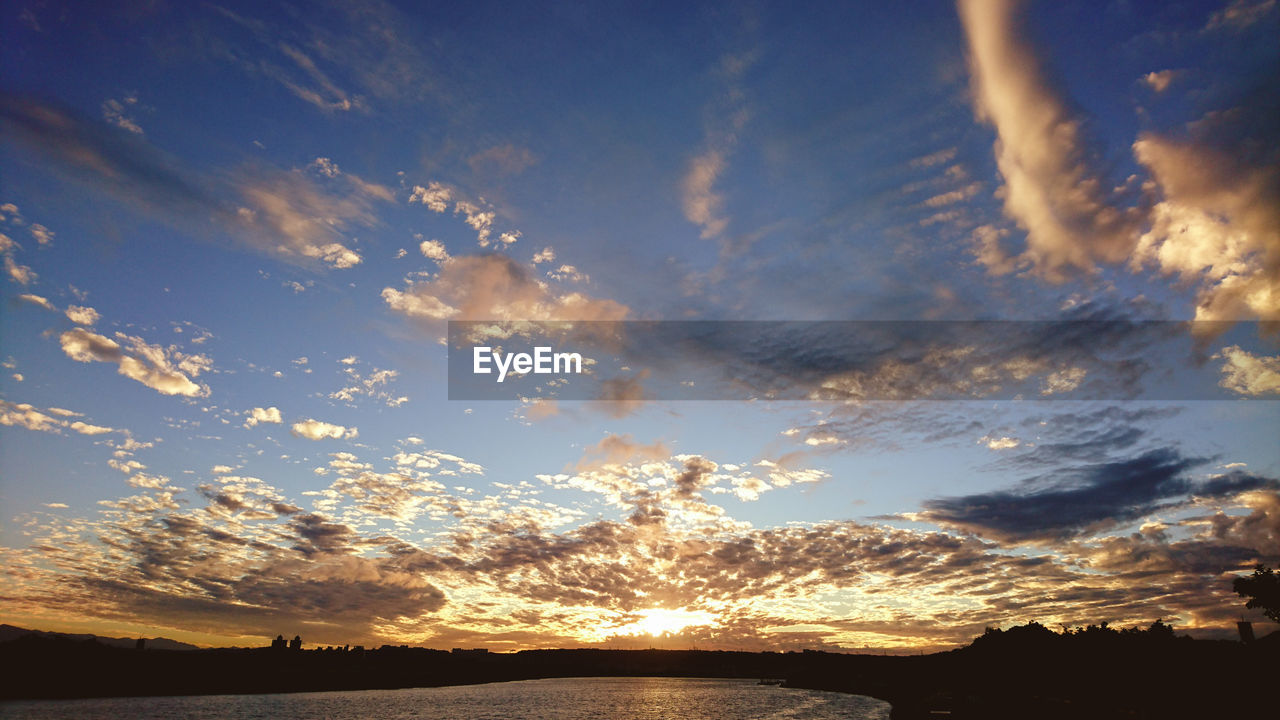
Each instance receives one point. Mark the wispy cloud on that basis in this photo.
(281, 212)
(1053, 188)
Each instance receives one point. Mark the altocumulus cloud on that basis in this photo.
(263, 415)
(318, 430)
(165, 370)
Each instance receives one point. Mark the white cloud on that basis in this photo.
(1061, 381)
(1160, 80)
(37, 300)
(43, 235)
(82, 315)
(288, 215)
(702, 204)
(166, 370)
(480, 220)
(325, 167)
(21, 274)
(434, 249)
(115, 113)
(86, 429)
(568, 273)
(263, 415)
(1248, 374)
(26, 416)
(546, 254)
(999, 443)
(435, 196)
(317, 430)
(495, 287)
(372, 386)
(1050, 188)
(1217, 222)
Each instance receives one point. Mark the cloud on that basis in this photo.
(1217, 219)
(82, 315)
(1052, 188)
(114, 112)
(241, 558)
(317, 430)
(1240, 14)
(282, 213)
(480, 219)
(165, 370)
(26, 416)
(370, 56)
(85, 428)
(435, 196)
(43, 235)
(21, 274)
(373, 385)
(263, 415)
(1074, 501)
(620, 450)
(325, 167)
(501, 160)
(288, 215)
(38, 301)
(1248, 374)
(940, 157)
(702, 205)
(999, 442)
(1159, 81)
(433, 250)
(494, 287)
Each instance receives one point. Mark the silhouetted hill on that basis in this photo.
(9, 632)
(1026, 672)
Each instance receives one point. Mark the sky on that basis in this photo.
(905, 320)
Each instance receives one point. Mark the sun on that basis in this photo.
(661, 621)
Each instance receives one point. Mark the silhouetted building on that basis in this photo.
(1246, 631)
(474, 651)
(296, 643)
(141, 644)
(279, 643)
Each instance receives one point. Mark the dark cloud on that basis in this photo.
(278, 212)
(1070, 502)
(121, 163)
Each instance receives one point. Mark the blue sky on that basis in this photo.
(233, 235)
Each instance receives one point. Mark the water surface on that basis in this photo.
(556, 699)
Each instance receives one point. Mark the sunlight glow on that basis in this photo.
(661, 621)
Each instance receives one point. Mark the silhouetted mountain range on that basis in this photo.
(9, 632)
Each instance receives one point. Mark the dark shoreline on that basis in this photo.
(1029, 674)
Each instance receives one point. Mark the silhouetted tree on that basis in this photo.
(1263, 590)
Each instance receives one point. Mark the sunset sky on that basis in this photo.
(233, 235)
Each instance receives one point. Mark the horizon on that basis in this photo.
(249, 249)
